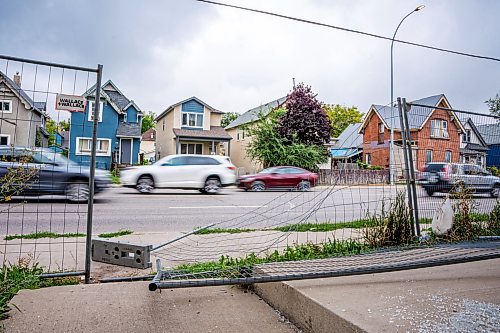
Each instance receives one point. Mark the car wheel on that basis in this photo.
(304, 186)
(258, 186)
(495, 192)
(78, 192)
(429, 192)
(145, 185)
(212, 186)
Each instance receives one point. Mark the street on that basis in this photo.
(184, 210)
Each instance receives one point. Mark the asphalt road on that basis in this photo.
(183, 210)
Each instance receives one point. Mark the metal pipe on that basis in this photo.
(128, 279)
(181, 237)
(90, 208)
(58, 275)
(51, 64)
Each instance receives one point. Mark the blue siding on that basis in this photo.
(493, 156)
(192, 106)
(131, 115)
(82, 127)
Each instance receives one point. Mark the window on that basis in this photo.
(5, 106)
(92, 109)
(194, 160)
(4, 140)
(163, 125)
(368, 159)
(447, 156)
(192, 119)
(84, 146)
(439, 128)
(237, 135)
(125, 117)
(192, 148)
(428, 156)
(479, 161)
(466, 136)
(381, 133)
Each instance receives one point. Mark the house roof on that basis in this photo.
(255, 113)
(350, 137)
(476, 131)
(132, 130)
(116, 98)
(171, 107)
(490, 133)
(36, 106)
(215, 132)
(417, 116)
(149, 135)
(472, 148)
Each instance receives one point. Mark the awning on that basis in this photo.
(342, 153)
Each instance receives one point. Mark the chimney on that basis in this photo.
(17, 79)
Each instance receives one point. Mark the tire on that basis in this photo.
(258, 186)
(78, 192)
(304, 186)
(495, 192)
(212, 186)
(145, 185)
(429, 192)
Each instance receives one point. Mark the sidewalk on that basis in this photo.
(454, 298)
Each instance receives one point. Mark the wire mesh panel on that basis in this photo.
(44, 194)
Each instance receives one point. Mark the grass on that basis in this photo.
(115, 177)
(47, 234)
(327, 226)
(228, 266)
(24, 276)
(115, 234)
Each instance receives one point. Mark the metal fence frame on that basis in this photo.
(90, 207)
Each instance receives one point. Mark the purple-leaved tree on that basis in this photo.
(305, 118)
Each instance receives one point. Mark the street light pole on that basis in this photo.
(391, 157)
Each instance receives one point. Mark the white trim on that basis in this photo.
(131, 150)
(6, 136)
(89, 111)
(125, 116)
(187, 147)
(10, 105)
(85, 153)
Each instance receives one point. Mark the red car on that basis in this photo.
(281, 177)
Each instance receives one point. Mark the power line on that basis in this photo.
(348, 30)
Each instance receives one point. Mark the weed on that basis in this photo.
(327, 226)
(42, 234)
(465, 226)
(115, 176)
(115, 234)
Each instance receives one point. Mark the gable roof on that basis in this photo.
(149, 135)
(38, 107)
(350, 137)
(476, 131)
(110, 92)
(255, 113)
(171, 107)
(417, 116)
(490, 133)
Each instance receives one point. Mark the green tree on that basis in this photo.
(494, 105)
(148, 121)
(64, 125)
(228, 117)
(271, 149)
(341, 116)
(51, 127)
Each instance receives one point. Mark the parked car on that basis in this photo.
(282, 177)
(444, 177)
(206, 173)
(47, 172)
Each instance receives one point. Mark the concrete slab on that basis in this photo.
(130, 307)
(454, 298)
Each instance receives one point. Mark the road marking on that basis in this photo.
(211, 207)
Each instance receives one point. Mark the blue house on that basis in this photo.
(118, 130)
(491, 135)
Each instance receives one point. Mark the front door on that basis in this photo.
(126, 151)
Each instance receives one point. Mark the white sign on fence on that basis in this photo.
(70, 103)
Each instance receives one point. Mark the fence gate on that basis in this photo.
(37, 102)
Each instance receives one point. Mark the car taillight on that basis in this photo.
(231, 167)
(446, 171)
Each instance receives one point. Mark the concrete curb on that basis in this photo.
(303, 311)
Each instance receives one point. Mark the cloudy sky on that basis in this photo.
(159, 52)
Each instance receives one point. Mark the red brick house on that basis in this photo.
(435, 134)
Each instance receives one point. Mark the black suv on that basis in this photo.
(40, 171)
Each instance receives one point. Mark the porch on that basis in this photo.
(202, 142)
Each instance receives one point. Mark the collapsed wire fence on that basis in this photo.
(357, 224)
(47, 191)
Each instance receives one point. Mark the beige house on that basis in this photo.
(22, 121)
(238, 130)
(191, 127)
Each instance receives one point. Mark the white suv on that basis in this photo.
(206, 173)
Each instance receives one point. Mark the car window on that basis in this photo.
(180, 160)
(269, 170)
(434, 167)
(200, 160)
(294, 170)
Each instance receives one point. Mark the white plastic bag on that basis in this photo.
(443, 218)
